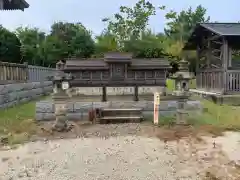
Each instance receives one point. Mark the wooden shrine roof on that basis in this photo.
(103, 64)
(15, 5)
(229, 30)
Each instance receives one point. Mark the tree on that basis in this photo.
(75, 39)
(178, 30)
(51, 51)
(9, 46)
(149, 46)
(106, 42)
(181, 24)
(126, 31)
(31, 40)
(130, 22)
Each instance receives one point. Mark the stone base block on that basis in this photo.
(79, 110)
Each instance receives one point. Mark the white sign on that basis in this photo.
(65, 85)
(157, 98)
(156, 108)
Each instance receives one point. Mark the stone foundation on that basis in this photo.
(13, 94)
(79, 110)
(95, 91)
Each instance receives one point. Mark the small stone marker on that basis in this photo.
(156, 107)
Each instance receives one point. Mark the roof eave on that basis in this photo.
(149, 67)
(25, 4)
(211, 29)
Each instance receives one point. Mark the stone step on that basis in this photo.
(121, 119)
(106, 112)
(121, 109)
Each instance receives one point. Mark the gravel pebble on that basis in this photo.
(116, 158)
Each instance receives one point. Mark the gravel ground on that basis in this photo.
(127, 157)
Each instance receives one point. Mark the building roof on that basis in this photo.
(223, 29)
(14, 5)
(103, 64)
(117, 56)
(150, 62)
(229, 30)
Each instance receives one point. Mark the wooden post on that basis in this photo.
(198, 78)
(104, 94)
(26, 71)
(1, 5)
(209, 53)
(136, 93)
(225, 65)
(229, 56)
(156, 108)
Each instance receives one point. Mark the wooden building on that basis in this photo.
(13, 5)
(217, 73)
(117, 70)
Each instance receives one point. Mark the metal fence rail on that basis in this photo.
(39, 73)
(18, 73)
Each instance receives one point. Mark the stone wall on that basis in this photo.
(12, 94)
(116, 90)
(79, 110)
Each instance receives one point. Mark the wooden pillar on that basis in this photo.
(136, 93)
(225, 64)
(125, 71)
(198, 79)
(229, 56)
(209, 52)
(230, 84)
(1, 4)
(26, 71)
(104, 94)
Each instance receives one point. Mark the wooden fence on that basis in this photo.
(39, 73)
(19, 73)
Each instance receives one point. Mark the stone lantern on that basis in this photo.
(61, 83)
(182, 79)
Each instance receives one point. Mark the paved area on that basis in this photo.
(123, 157)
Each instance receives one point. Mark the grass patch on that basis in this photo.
(163, 120)
(18, 122)
(221, 117)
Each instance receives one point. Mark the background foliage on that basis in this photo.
(127, 30)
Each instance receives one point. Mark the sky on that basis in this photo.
(42, 13)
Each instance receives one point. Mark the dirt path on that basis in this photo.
(122, 152)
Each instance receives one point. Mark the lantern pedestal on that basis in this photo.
(60, 104)
(182, 78)
(60, 98)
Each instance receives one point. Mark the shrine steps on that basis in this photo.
(121, 115)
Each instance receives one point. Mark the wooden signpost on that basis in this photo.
(156, 107)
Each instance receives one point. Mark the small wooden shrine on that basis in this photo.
(217, 72)
(117, 70)
(13, 5)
